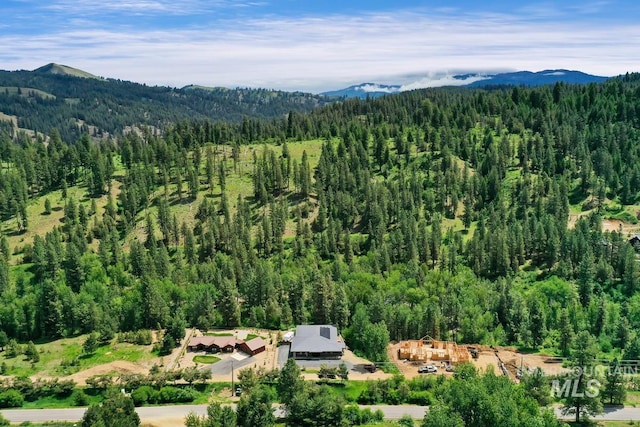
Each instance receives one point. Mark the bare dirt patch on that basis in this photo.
(514, 360)
(610, 225)
(616, 225)
(118, 367)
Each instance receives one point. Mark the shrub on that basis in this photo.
(26, 250)
(356, 416)
(25, 387)
(422, 398)
(80, 398)
(144, 394)
(140, 337)
(176, 395)
(11, 399)
(99, 382)
(63, 388)
(13, 349)
(133, 381)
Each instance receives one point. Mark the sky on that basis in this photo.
(318, 45)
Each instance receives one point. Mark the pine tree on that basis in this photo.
(228, 303)
(255, 409)
(290, 382)
(566, 332)
(581, 401)
(614, 392)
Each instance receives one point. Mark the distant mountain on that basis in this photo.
(519, 78)
(64, 70)
(528, 78)
(74, 101)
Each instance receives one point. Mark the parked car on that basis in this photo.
(238, 391)
(449, 368)
(370, 368)
(428, 369)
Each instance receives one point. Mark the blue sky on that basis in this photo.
(317, 45)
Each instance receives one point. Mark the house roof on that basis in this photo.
(205, 341)
(209, 341)
(221, 342)
(255, 343)
(316, 339)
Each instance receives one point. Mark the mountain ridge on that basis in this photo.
(517, 78)
(74, 101)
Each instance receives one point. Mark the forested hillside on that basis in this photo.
(49, 98)
(461, 214)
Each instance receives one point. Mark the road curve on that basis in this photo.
(177, 411)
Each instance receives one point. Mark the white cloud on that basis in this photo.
(442, 80)
(317, 54)
(138, 7)
(378, 88)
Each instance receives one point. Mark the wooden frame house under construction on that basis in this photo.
(428, 349)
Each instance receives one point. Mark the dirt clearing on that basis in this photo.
(119, 367)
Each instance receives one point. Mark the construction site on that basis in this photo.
(409, 355)
(427, 349)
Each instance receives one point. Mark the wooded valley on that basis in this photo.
(473, 215)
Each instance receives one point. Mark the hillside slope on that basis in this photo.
(79, 102)
(477, 216)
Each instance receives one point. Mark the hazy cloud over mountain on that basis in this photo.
(315, 46)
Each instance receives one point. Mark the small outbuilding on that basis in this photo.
(253, 346)
(287, 337)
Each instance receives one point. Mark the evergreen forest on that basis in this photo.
(474, 215)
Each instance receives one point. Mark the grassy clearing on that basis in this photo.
(349, 391)
(252, 336)
(26, 92)
(7, 118)
(41, 223)
(67, 402)
(211, 392)
(65, 356)
(206, 359)
(238, 183)
(633, 399)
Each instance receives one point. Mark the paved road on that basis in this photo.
(180, 411)
(173, 412)
(610, 414)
